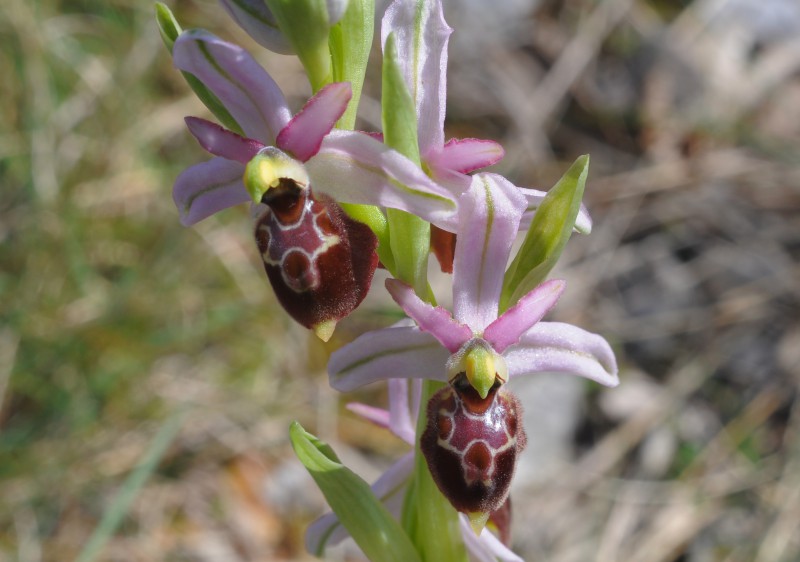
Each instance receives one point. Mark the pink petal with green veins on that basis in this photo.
(206, 188)
(397, 418)
(400, 422)
(489, 215)
(395, 352)
(435, 320)
(255, 18)
(583, 223)
(465, 155)
(389, 488)
(486, 547)
(507, 330)
(222, 142)
(421, 37)
(304, 133)
(245, 89)
(354, 168)
(563, 348)
(378, 416)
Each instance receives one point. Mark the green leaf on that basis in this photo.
(350, 43)
(365, 518)
(399, 114)
(548, 234)
(305, 24)
(167, 25)
(410, 235)
(170, 30)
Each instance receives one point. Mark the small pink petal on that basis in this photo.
(400, 422)
(437, 321)
(378, 416)
(515, 321)
(303, 135)
(222, 142)
(466, 155)
(397, 418)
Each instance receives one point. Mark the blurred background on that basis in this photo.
(147, 376)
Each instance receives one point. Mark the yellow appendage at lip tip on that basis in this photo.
(477, 521)
(324, 330)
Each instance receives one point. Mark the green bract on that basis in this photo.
(410, 235)
(306, 26)
(365, 518)
(350, 43)
(548, 234)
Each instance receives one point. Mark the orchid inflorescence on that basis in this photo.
(332, 203)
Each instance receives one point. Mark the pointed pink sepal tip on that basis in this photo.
(509, 327)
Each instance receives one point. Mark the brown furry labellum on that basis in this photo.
(471, 444)
(319, 261)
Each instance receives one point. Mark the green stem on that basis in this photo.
(428, 518)
(410, 235)
(350, 43)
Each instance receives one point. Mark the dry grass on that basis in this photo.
(114, 317)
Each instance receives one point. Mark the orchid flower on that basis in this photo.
(489, 216)
(267, 166)
(391, 486)
(297, 169)
(476, 349)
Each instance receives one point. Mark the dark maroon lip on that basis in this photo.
(471, 444)
(319, 261)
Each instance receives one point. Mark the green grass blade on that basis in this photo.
(130, 489)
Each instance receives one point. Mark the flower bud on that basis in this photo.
(319, 261)
(471, 445)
